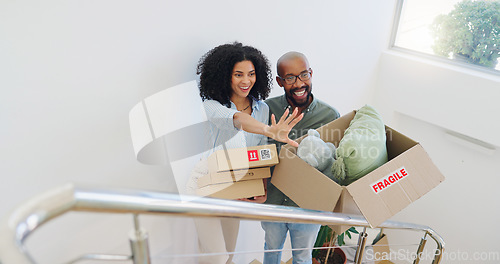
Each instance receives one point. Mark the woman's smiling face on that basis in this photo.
(242, 79)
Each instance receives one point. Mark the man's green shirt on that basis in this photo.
(316, 115)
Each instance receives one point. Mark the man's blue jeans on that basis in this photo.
(301, 236)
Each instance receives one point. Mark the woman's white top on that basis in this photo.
(221, 129)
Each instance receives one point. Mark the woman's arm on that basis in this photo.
(226, 118)
(277, 131)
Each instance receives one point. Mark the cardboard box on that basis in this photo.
(234, 184)
(238, 173)
(381, 251)
(407, 176)
(234, 176)
(233, 190)
(244, 158)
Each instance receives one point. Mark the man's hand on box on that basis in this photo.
(260, 199)
(255, 199)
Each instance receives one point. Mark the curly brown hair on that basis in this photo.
(216, 67)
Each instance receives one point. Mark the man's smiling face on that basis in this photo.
(299, 93)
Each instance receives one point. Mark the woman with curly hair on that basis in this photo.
(234, 81)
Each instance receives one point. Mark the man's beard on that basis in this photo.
(289, 96)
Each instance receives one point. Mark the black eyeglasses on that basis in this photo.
(291, 79)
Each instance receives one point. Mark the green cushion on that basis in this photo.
(362, 149)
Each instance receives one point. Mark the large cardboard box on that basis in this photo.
(407, 176)
(238, 173)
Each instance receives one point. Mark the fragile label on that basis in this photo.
(389, 180)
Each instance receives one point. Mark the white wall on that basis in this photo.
(70, 71)
(427, 101)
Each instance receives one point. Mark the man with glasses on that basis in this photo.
(295, 76)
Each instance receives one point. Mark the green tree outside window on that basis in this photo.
(470, 32)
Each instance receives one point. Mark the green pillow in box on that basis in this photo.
(362, 149)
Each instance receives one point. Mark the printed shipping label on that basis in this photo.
(389, 180)
(265, 154)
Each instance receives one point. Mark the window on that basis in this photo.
(463, 31)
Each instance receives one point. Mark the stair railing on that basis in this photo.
(15, 228)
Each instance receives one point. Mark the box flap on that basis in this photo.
(234, 176)
(334, 131)
(212, 163)
(403, 142)
(243, 158)
(345, 205)
(306, 186)
(236, 190)
(390, 188)
(381, 248)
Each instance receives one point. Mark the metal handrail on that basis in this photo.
(15, 228)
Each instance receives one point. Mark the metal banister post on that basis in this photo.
(440, 248)
(361, 246)
(420, 248)
(139, 243)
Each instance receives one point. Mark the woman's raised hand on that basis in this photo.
(279, 131)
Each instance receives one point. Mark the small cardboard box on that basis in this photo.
(234, 184)
(238, 173)
(244, 158)
(233, 190)
(407, 176)
(214, 177)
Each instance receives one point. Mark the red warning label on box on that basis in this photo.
(253, 155)
(389, 180)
